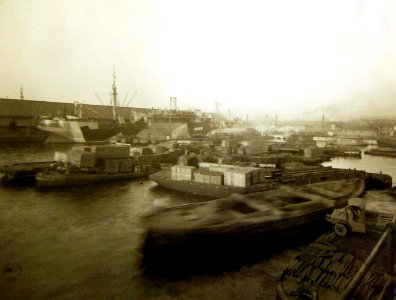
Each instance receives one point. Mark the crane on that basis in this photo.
(134, 94)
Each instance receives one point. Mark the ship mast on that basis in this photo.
(22, 97)
(114, 97)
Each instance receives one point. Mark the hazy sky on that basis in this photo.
(261, 57)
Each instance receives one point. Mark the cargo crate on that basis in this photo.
(111, 151)
(126, 165)
(112, 166)
(81, 159)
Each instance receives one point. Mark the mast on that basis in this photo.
(114, 97)
(22, 97)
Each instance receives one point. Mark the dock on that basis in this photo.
(334, 267)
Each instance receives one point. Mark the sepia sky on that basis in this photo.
(294, 58)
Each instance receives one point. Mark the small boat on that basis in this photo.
(387, 152)
(23, 172)
(239, 222)
(55, 178)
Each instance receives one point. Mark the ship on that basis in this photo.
(22, 134)
(199, 123)
(76, 130)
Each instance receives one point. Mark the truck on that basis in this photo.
(360, 215)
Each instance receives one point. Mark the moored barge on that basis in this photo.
(239, 224)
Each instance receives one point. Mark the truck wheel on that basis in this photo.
(340, 229)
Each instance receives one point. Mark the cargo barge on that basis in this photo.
(164, 179)
(242, 180)
(239, 223)
(58, 179)
(387, 152)
(90, 165)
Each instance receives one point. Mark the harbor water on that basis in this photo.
(83, 243)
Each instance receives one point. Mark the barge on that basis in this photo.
(239, 224)
(90, 165)
(387, 152)
(79, 178)
(270, 181)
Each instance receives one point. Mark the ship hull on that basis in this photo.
(22, 134)
(56, 179)
(387, 142)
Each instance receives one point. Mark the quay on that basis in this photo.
(352, 264)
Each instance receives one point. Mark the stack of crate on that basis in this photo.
(209, 177)
(114, 158)
(81, 159)
(111, 151)
(255, 174)
(159, 149)
(229, 143)
(207, 165)
(60, 157)
(182, 173)
(126, 165)
(147, 150)
(112, 166)
(265, 173)
(238, 178)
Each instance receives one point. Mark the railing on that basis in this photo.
(388, 291)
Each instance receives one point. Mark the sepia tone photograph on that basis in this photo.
(170, 149)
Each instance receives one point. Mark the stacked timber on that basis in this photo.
(326, 270)
(182, 173)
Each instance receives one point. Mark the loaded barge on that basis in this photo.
(80, 166)
(89, 165)
(219, 180)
